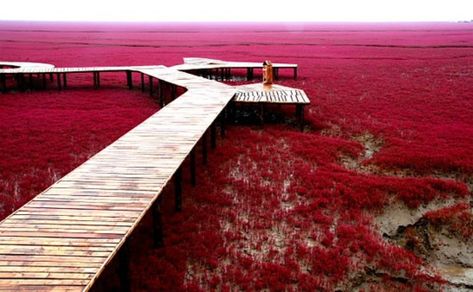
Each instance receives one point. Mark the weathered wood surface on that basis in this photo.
(63, 238)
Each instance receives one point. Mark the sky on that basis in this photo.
(238, 10)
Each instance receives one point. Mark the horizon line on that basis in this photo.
(240, 21)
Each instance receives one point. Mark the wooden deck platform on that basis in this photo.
(65, 237)
(259, 93)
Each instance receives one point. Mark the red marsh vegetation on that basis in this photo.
(375, 194)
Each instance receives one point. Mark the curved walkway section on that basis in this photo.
(63, 239)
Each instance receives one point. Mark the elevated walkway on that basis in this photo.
(65, 237)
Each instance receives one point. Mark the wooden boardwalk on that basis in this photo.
(65, 237)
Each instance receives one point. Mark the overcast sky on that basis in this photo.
(237, 10)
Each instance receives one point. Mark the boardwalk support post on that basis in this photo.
(3, 82)
(222, 119)
(222, 74)
(213, 136)
(143, 82)
(192, 166)
(129, 79)
(59, 82)
(178, 189)
(21, 82)
(261, 112)
(295, 73)
(17, 80)
(249, 74)
(124, 268)
(203, 141)
(44, 81)
(173, 92)
(96, 80)
(94, 74)
(157, 224)
(30, 80)
(64, 79)
(150, 85)
(161, 93)
(300, 116)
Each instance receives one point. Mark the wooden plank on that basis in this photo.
(53, 251)
(59, 234)
(79, 222)
(36, 288)
(31, 269)
(47, 263)
(61, 227)
(44, 282)
(112, 206)
(91, 199)
(79, 219)
(77, 213)
(54, 246)
(96, 193)
(44, 275)
(61, 241)
(68, 260)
